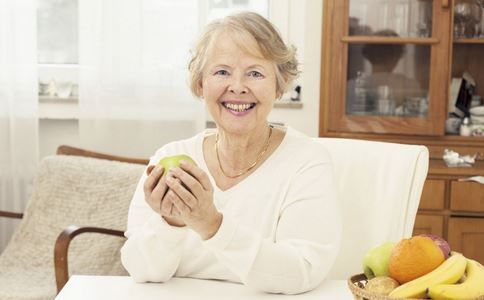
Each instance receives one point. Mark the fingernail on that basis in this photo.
(183, 162)
(159, 169)
(149, 169)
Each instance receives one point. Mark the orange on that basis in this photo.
(414, 257)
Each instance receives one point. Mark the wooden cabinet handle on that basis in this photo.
(445, 3)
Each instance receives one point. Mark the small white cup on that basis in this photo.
(64, 89)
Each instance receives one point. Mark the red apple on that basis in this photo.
(443, 245)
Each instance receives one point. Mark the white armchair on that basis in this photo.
(379, 187)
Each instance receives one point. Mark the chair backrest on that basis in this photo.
(74, 151)
(379, 187)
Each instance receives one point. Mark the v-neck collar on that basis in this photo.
(244, 181)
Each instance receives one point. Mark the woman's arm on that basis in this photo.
(153, 249)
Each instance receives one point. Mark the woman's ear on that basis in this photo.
(280, 90)
(279, 95)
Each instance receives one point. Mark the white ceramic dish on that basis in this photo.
(477, 119)
(477, 111)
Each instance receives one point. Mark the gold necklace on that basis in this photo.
(259, 157)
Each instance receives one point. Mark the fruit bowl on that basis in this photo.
(357, 284)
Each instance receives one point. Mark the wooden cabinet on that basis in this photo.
(433, 195)
(386, 71)
(386, 68)
(397, 64)
(466, 235)
(454, 209)
(429, 224)
(467, 196)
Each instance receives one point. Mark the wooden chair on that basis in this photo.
(69, 150)
(68, 234)
(68, 188)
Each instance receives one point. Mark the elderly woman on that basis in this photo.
(260, 206)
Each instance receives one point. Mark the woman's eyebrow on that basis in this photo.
(256, 66)
(219, 66)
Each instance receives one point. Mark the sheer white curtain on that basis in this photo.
(133, 91)
(18, 108)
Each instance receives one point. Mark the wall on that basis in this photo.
(53, 133)
(303, 29)
(306, 36)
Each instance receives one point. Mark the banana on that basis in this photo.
(471, 288)
(450, 271)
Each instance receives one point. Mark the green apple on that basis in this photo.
(169, 162)
(376, 260)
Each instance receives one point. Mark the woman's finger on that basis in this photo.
(182, 208)
(190, 182)
(197, 173)
(149, 169)
(160, 190)
(166, 205)
(186, 196)
(152, 179)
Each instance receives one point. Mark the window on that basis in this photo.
(57, 32)
(220, 8)
(57, 46)
(57, 35)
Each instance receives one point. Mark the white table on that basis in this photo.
(123, 288)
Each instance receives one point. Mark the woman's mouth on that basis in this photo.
(238, 108)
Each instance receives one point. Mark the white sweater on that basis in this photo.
(280, 231)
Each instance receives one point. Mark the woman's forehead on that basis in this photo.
(238, 58)
(229, 43)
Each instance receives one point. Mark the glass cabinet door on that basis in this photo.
(395, 57)
(388, 80)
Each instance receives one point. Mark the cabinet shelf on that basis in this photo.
(470, 41)
(388, 40)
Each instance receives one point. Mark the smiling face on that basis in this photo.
(239, 88)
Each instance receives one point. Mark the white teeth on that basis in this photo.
(238, 107)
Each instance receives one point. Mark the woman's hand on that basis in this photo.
(155, 189)
(191, 193)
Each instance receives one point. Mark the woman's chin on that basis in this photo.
(236, 129)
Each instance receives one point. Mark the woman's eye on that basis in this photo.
(256, 74)
(222, 72)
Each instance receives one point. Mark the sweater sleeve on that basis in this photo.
(306, 241)
(152, 251)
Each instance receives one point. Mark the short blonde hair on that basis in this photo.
(256, 36)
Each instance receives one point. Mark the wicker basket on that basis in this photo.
(357, 283)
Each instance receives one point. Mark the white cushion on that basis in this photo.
(379, 187)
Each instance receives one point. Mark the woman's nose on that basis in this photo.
(237, 86)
